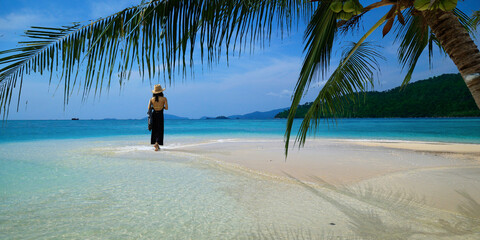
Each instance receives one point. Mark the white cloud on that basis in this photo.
(318, 84)
(283, 93)
(21, 21)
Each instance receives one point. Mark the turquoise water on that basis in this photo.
(101, 179)
(465, 130)
(103, 188)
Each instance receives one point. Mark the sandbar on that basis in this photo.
(438, 173)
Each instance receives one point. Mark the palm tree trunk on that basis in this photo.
(459, 46)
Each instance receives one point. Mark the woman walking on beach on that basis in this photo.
(157, 103)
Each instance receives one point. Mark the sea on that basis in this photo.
(101, 179)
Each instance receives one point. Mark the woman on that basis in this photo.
(158, 102)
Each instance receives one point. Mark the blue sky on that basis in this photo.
(260, 81)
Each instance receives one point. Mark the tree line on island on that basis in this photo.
(440, 96)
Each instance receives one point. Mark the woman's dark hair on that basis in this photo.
(156, 95)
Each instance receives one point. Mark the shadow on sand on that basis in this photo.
(384, 214)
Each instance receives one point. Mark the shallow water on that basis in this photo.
(100, 188)
(96, 189)
(101, 179)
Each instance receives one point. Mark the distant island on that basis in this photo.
(253, 115)
(219, 117)
(442, 96)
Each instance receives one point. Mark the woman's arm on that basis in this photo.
(166, 104)
(149, 104)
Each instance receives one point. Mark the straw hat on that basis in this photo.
(158, 89)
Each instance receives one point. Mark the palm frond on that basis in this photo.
(320, 35)
(415, 36)
(352, 76)
(319, 39)
(351, 25)
(467, 22)
(34, 56)
(366, 35)
(475, 19)
(156, 36)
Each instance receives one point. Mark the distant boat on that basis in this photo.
(75, 118)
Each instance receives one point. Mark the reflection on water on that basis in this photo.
(123, 189)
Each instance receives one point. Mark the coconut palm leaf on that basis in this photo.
(156, 36)
(320, 36)
(365, 36)
(467, 22)
(415, 36)
(34, 56)
(319, 39)
(475, 19)
(353, 75)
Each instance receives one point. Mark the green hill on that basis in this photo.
(441, 96)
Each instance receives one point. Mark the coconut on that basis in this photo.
(448, 5)
(345, 16)
(358, 9)
(349, 6)
(421, 5)
(336, 6)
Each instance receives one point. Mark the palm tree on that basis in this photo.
(160, 37)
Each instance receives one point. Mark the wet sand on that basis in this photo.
(436, 173)
(337, 188)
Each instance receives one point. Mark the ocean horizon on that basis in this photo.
(461, 130)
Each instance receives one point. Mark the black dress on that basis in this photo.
(157, 127)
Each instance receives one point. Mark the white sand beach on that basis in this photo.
(436, 172)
